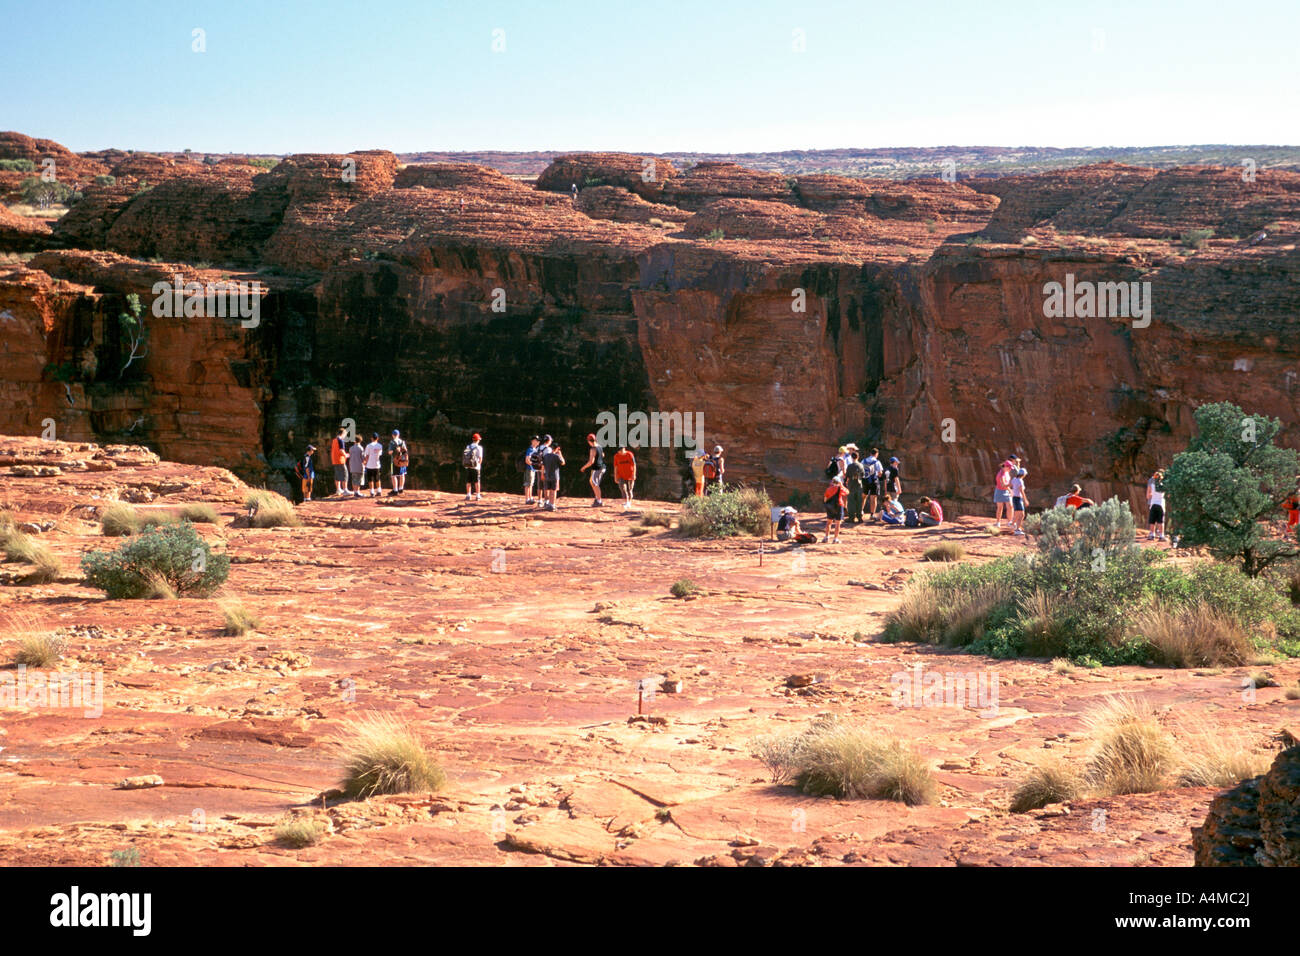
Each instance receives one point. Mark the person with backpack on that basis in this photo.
(625, 475)
(305, 469)
(835, 499)
(1002, 493)
(596, 462)
(399, 460)
(374, 459)
(552, 462)
(930, 513)
(1156, 507)
(853, 475)
(526, 466)
(714, 468)
(787, 528)
(872, 470)
(471, 460)
(538, 461)
(357, 468)
(339, 461)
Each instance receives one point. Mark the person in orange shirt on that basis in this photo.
(836, 500)
(339, 459)
(1076, 500)
(625, 475)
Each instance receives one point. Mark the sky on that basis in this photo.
(279, 76)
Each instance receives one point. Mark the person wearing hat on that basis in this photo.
(539, 465)
(714, 468)
(530, 470)
(697, 470)
(374, 459)
(891, 479)
(305, 469)
(400, 458)
(472, 460)
(787, 528)
(853, 476)
(835, 499)
(596, 462)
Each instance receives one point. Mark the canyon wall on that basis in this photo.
(792, 313)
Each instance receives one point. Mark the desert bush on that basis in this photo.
(853, 764)
(26, 549)
(639, 532)
(381, 754)
(1050, 781)
(1210, 758)
(725, 513)
(268, 510)
(1195, 238)
(121, 519)
(713, 235)
(176, 554)
(17, 165)
(1132, 752)
(684, 587)
(105, 180)
(39, 649)
(1196, 636)
(300, 832)
(657, 519)
(944, 551)
(239, 620)
(199, 513)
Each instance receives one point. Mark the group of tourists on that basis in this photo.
(357, 465)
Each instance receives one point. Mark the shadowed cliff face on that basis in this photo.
(792, 314)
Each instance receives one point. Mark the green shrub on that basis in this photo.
(105, 180)
(727, 512)
(17, 165)
(269, 510)
(176, 554)
(684, 588)
(713, 235)
(1195, 238)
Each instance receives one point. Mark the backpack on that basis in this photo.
(537, 458)
(911, 519)
(710, 469)
(832, 468)
(467, 456)
(401, 456)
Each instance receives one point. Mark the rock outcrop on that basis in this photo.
(1256, 823)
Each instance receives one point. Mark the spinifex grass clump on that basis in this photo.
(1051, 781)
(239, 620)
(684, 588)
(833, 759)
(199, 513)
(381, 754)
(1131, 752)
(722, 514)
(175, 555)
(945, 551)
(25, 549)
(39, 649)
(300, 832)
(269, 510)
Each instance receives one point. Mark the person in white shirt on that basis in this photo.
(374, 459)
(1019, 500)
(1156, 507)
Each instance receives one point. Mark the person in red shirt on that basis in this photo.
(1076, 500)
(625, 475)
(930, 512)
(836, 500)
(1292, 505)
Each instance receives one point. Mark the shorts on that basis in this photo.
(358, 478)
(530, 474)
(372, 476)
(835, 512)
(1156, 515)
(340, 473)
(870, 487)
(552, 484)
(399, 470)
(626, 484)
(1000, 497)
(597, 475)
(1017, 503)
(472, 476)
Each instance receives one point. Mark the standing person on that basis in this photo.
(339, 460)
(625, 475)
(930, 512)
(1002, 493)
(714, 468)
(697, 470)
(539, 465)
(835, 499)
(891, 479)
(853, 475)
(530, 472)
(374, 459)
(399, 461)
(305, 469)
(1156, 507)
(1019, 500)
(1292, 505)
(596, 462)
(471, 459)
(357, 468)
(872, 471)
(552, 461)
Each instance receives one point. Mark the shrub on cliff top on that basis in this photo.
(173, 554)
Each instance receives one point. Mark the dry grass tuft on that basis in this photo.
(382, 754)
(239, 620)
(1132, 752)
(269, 510)
(832, 759)
(1051, 781)
(1198, 636)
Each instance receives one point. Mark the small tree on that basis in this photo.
(1228, 483)
(132, 326)
(38, 192)
(1083, 535)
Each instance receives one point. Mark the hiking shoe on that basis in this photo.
(469, 497)
(478, 497)
(1019, 532)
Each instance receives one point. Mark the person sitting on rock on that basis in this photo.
(930, 512)
(787, 529)
(891, 510)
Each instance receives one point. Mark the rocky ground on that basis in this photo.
(517, 641)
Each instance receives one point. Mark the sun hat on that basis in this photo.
(591, 437)
(477, 436)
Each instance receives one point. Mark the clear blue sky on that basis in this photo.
(708, 75)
